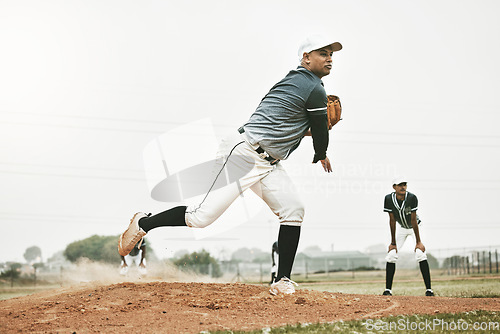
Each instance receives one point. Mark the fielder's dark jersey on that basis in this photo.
(402, 209)
(283, 116)
(136, 249)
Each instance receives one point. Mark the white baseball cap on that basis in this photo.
(398, 180)
(315, 42)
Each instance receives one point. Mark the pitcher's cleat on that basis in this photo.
(132, 235)
(429, 293)
(284, 286)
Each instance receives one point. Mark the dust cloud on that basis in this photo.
(88, 271)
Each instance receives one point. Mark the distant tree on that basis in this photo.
(181, 253)
(33, 253)
(13, 272)
(258, 256)
(96, 248)
(242, 254)
(250, 255)
(263, 258)
(200, 262)
(38, 265)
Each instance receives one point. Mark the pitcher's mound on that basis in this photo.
(161, 307)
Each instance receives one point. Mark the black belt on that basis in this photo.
(260, 150)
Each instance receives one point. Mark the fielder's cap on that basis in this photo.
(398, 180)
(315, 42)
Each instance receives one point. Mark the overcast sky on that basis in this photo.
(87, 85)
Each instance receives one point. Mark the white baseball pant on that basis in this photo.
(130, 260)
(136, 259)
(401, 235)
(269, 182)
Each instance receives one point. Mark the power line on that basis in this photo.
(72, 167)
(35, 216)
(363, 142)
(422, 134)
(94, 128)
(161, 122)
(398, 143)
(375, 179)
(130, 130)
(338, 177)
(97, 118)
(371, 227)
(112, 178)
(344, 186)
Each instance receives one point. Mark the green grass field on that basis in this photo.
(8, 292)
(406, 283)
(411, 284)
(470, 322)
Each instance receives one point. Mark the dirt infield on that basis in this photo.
(161, 307)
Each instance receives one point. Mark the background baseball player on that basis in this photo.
(136, 256)
(402, 208)
(294, 107)
(274, 268)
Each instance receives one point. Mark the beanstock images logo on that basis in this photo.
(181, 166)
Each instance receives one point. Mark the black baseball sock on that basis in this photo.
(172, 217)
(426, 274)
(390, 269)
(288, 241)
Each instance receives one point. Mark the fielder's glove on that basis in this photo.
(334, 109)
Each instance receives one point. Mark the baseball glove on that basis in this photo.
(334, 109)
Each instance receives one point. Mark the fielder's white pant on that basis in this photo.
(130, 260)
(401, 235)
(269, 182)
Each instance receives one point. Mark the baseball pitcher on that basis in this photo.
(295, 107)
